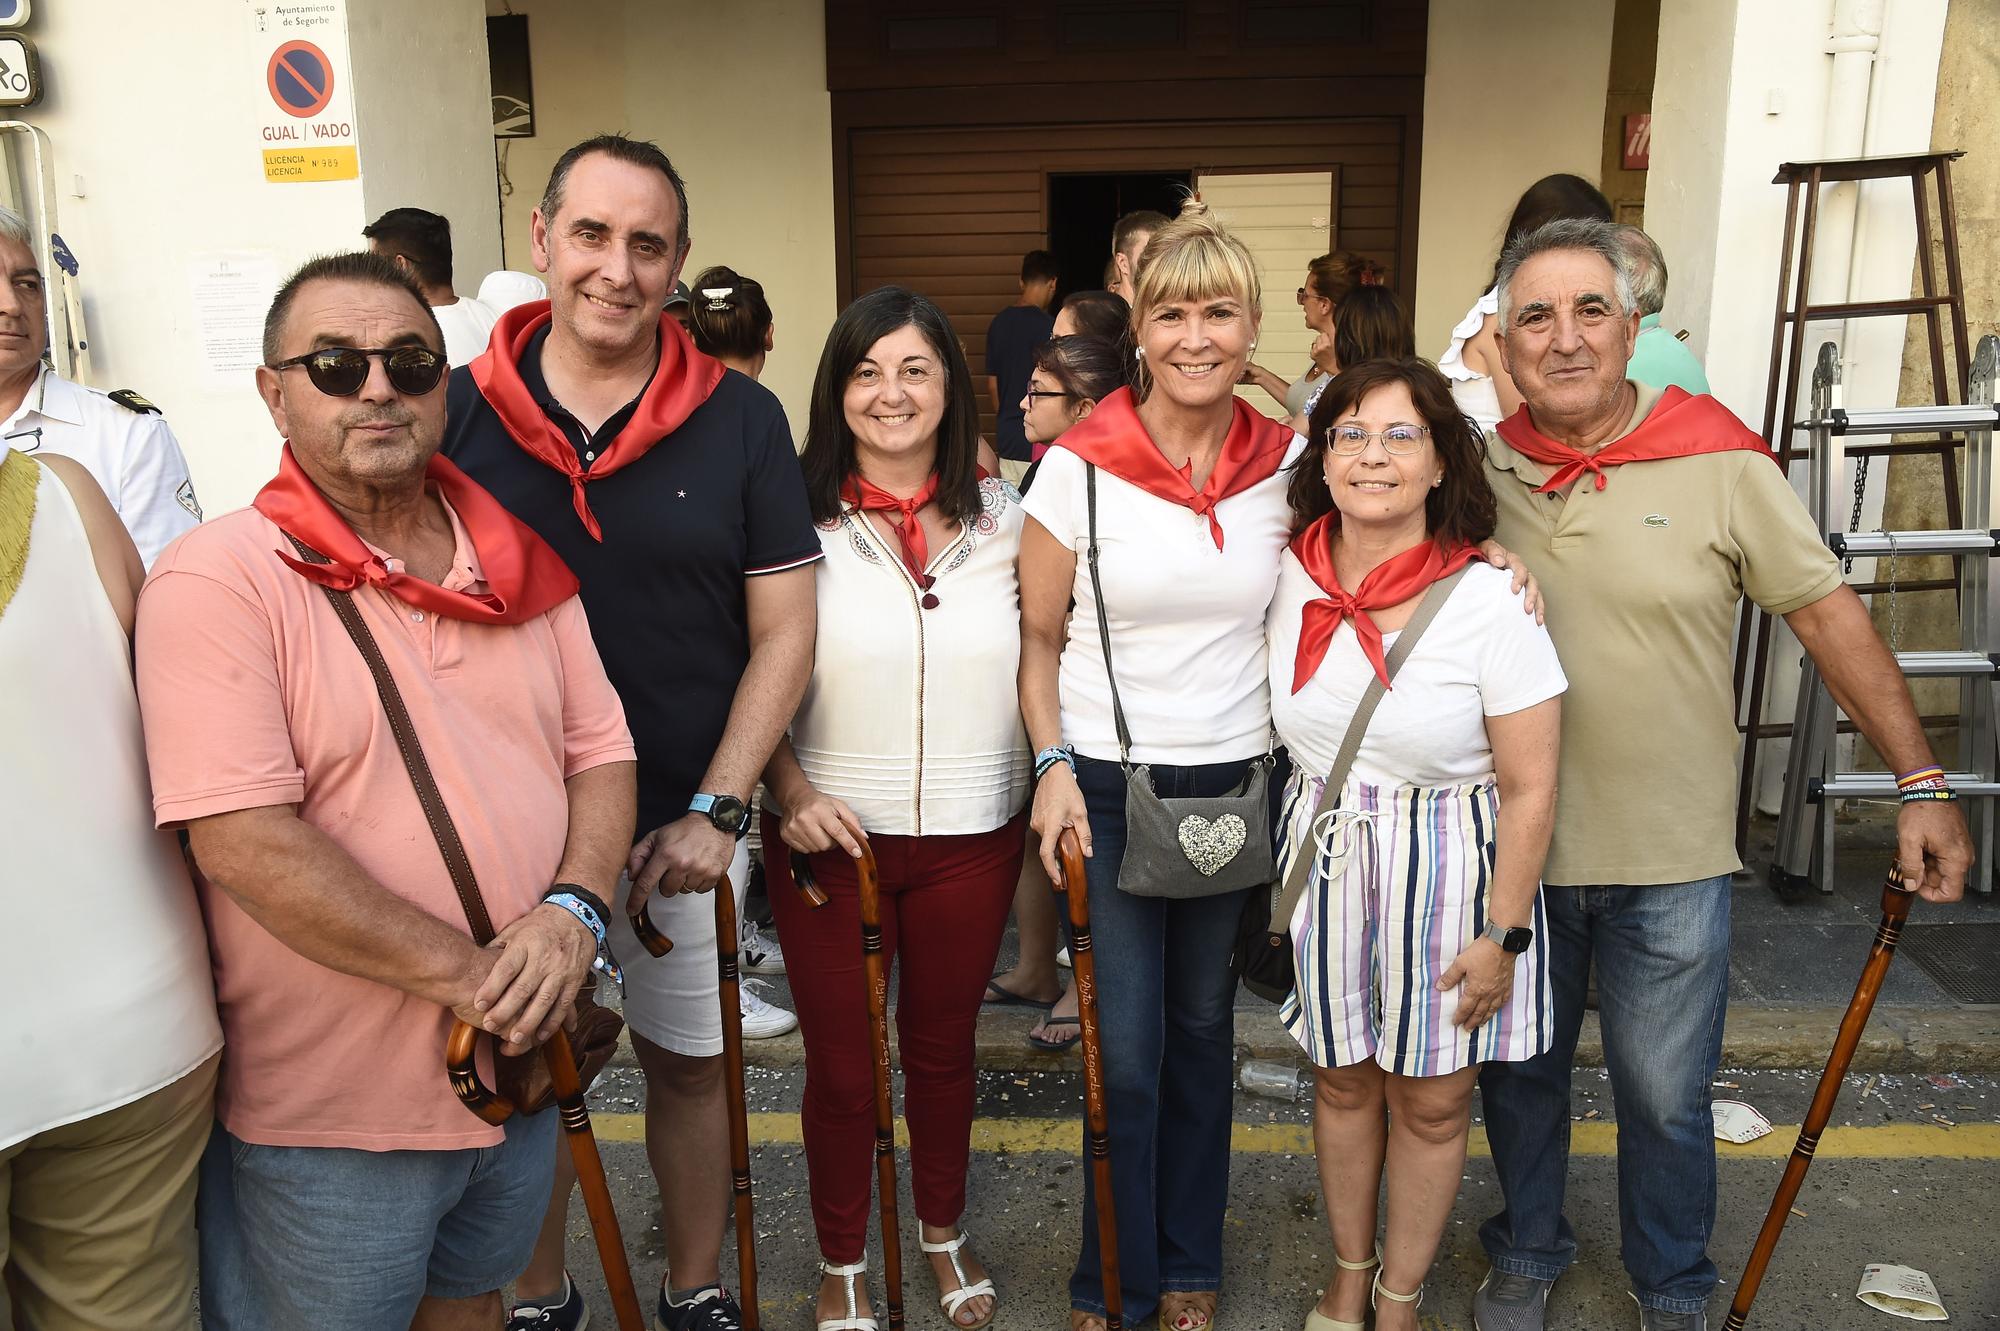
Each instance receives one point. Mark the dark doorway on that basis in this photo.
(1084, 208)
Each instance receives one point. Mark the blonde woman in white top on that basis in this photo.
(107, 1088)
(909, 738)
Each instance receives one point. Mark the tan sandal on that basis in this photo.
(1319, 1321)
(1381, 1291)
(1187, 1310)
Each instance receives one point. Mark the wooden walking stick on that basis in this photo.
(459, 1050)
(739, 1113)
(1083, 973)
(1896, 902)
(875, 967)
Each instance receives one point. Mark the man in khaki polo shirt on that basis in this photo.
(1646, 515)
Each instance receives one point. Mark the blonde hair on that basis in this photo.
(1190, 258)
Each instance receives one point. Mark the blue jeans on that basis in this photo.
(1165, 994)
(333, 1239)
(1662, 983)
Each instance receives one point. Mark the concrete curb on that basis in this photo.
(1898, 1039)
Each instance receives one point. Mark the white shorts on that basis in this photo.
(675, 1000)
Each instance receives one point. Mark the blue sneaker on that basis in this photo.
(710, 1309)
(569, 1313)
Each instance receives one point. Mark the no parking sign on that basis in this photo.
(308, 127)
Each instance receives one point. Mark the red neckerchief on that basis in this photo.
(1391, 582)
(1114, 438)
(527, 577)
(682, 382)
(863, 494)
(1681, 424)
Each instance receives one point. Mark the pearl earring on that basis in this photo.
(1138, 353)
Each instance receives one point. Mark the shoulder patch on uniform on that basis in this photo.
(131, 401)
(184, 496)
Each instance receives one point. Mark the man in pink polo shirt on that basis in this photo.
(345, 1186)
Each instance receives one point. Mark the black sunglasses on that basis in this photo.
(340, 371)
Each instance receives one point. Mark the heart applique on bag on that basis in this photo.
(1210, 846)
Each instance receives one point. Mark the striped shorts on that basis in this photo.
(1371, 942)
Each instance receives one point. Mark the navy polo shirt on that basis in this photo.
(718, 500)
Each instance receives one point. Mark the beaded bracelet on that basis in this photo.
(1052, 755)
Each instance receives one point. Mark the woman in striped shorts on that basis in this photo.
(1419, 936)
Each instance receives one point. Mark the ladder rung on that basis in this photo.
(1923, 585)
(1864, 544)
(1906, 420)
(1783, 729)
(1945, 663)
(1863, 309)
(1882, 785)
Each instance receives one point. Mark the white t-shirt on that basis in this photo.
(467, 326)
(1187, 620)
(1482, 656)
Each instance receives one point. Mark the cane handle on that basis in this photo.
(460, 1048)
(806, 880)
(648, 933)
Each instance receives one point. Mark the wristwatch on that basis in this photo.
(1514, 940)
(726, 812)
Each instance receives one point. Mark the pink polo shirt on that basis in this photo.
(253, 695)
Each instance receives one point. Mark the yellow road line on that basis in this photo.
(1063, 1136)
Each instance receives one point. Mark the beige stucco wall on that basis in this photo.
(736, 95)
(144, 191)
(1512, 92)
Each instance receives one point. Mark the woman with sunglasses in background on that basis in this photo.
(1330, 280)
(1371, 324)
(1418, 940)
(909, 739)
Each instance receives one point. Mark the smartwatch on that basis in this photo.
(1515, 940)
(726, 812)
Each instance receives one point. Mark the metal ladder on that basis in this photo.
(1813, 779)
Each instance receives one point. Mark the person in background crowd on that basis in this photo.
(109, 1092)
(121, 439)
(1479, 382)
(680, 307)
(1179, 462)
(419, 243)
(1329, 280)
(345, 1186)
(1073, 373)
(1011, 340)
(1413, 969)
(731, 320)
(502, 289)
(1371, 324)
(1098, 314)
(909, 739)
(1128, 242)
(1110, 278)
(1658, 357)
(1647, 514)
(671, 487)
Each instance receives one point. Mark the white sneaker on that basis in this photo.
(762, 1020)
(760, 955)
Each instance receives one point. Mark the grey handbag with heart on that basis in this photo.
(1183, 847)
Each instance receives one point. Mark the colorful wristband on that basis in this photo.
(1049, 757)
(1922, 776)
(572, 900)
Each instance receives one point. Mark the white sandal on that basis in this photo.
(1382, 1291)
(952, 1300)
(853, 1321)
(1319, 1321)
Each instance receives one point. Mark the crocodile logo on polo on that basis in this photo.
(1655, 519)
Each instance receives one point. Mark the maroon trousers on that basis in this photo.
(944, 906)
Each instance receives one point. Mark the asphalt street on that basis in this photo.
(1907, 1175)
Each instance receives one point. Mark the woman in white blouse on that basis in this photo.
(1419, 942)
(909, 738)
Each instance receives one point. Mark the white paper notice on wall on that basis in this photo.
(1902, 1291)
(230, 294)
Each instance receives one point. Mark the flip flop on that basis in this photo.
(1057, 1046)
(1008, 998)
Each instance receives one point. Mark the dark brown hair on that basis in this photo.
(1336, 275)
(620, 148)
(1371, 324)
(355, 266)
(1087, 368)
(730, 314)
(1458, 512)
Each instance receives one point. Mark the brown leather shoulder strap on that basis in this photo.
(428, 795)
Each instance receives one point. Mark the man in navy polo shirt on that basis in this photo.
(671, 488)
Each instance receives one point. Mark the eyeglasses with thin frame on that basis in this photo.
(1304, 292)
(1351, 440)
(341, 371)
(1034, 393)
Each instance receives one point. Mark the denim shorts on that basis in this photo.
(332, 1238)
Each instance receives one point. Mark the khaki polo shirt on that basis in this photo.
(1642, 579)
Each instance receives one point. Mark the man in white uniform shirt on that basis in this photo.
(419, 243)
(120, 438)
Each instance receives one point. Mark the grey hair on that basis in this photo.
(1648, 268)
(1568, 233)
(15, 228)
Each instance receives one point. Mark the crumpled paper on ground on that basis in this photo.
(1901, 1291)
(1738, 1122)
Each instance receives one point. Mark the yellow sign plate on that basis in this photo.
(286, 166)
